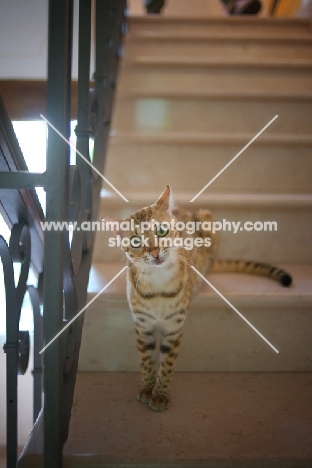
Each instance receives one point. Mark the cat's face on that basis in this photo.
(151, 245)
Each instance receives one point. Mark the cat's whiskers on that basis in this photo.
(186, 260)
(183, 262)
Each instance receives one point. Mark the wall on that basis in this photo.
(24, 32)
(24, 39)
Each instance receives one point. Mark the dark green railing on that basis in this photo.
(72, 195)
(22, 211)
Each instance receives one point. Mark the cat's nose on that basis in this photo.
(155, 253)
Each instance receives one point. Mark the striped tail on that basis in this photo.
(249, 267)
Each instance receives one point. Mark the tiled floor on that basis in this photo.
(216, 419)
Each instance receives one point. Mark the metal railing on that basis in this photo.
(72, 192)
(22, 211)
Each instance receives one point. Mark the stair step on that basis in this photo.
(217, 420)
(289, 243)
(216, 27)
(254, 420)
(234, 95)
(304, 64)
(196, 36)
(183, 74)
(212, 114)
(215, 338)
(200, 138)
(111, 201)
(206, 46)
(205, 155)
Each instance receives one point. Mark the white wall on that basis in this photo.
(24, 39)
(24, 32)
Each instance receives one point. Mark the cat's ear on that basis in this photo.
(112, 224)
(165, 201)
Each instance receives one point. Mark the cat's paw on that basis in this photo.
(159, 402)
(144, 396)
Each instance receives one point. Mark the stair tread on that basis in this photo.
(254, 419)
(215, 94)
(216, 420)
(110, 199)
(242, 288)
(173, 61)
(208, 36)
(118, 137)
(235, 21)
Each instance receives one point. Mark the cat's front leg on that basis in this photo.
(169, 349)
(146, 345)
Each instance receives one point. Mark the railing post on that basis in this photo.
(11, 350)
(58, 113)
(83, 129)
(22, 212)
(109, 27)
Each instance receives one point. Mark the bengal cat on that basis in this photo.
(160, 282)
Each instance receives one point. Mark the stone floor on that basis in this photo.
(216, 420)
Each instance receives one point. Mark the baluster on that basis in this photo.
(58, 113)
(11, 350)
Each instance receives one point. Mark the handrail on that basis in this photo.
(72, 192)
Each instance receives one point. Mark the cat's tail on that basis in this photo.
(250, 267)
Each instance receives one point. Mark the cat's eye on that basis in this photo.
(135, 242)
(161, 231)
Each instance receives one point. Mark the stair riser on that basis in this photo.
(152, 78)
(290, 243)
(242, 50)
(214, 115)
(215, 339)
(261, 168)
(219, 27)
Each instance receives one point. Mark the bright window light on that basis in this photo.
(32, 138)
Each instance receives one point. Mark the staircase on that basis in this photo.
(191, 95)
